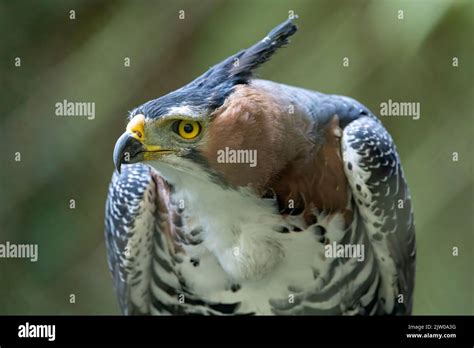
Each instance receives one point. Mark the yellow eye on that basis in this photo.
(187, 129)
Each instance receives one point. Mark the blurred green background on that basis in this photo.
(65, 158)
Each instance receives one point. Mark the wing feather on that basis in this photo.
(381, 194)
(130, 223)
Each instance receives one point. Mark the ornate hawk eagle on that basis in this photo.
(235, 195)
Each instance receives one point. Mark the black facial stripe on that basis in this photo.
(198, 158)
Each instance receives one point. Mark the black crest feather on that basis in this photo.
(208, 91)
(238, 68)
(256, 55)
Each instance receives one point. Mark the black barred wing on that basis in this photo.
(129, 229)
(142, 227)
(381, 194)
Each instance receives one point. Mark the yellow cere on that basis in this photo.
(136, 126)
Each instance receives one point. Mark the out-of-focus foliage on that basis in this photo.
(66, 158)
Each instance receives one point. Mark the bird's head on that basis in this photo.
(187, 127)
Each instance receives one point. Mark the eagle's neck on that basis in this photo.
(238, 227)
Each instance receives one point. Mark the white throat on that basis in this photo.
(238, 226)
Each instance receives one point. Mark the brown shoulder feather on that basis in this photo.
(289, 160)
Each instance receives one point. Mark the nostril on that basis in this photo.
(136, 126)
(138, 133)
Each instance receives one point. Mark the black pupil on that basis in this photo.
(188, 128)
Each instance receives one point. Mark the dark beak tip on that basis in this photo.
(126, 144)
(120, 147)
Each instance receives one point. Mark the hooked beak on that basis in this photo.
(127, 150)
